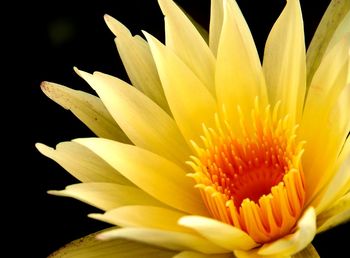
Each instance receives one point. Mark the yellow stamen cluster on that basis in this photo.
(253, 181)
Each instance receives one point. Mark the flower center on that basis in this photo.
(253, 181)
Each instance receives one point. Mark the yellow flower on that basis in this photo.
(212, 154)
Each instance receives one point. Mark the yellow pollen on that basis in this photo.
(253, 181)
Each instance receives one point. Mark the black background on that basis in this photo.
(46, 40)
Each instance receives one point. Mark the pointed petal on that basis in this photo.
(189, 254)
(338, 184)
(190, 102)
(336, 214)
(187, 43)
(138, 62)
(230, 238)
(325, 92)
(216, 20)
(143, 216)
(145, 123)
(91, 247)
(107, 196)
(239, 76)
(342, 30)
(82, 163)
(166, 239)
(88, 108)
(295, 242)
(333, 16)
(284, 62)
(308, 252)
(152, 173)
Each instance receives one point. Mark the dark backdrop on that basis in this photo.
(51, 38)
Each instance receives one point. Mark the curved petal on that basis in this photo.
(183, 38)
(323, 99)
(338, 213)
(143, 216)
(152, 173)
(342, 30)
(138, 62)
(107, 196)
(284, 62)
(82, 163)
(331, 19)
(166, 239)
(216, 20)
(295, 242)
(190, 102)
(91, 247)
(145, 123)
(88, 108)
(308, 252)
(230, 238)
(239, 76)
(189, 254)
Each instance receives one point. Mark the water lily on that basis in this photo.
(209, 153)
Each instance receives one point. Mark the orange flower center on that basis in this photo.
(253, 181)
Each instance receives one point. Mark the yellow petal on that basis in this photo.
(216, 20)
(189, 254)
(190, 102)
(239, 76)
(331, 19)
(107, 196)
(138, 62)
(152, 173)
(91, 247)
(166, 239)
(187, 43)
(323, 148)
(308, 252)
(336, 214)
(338, 185)
(88, 108)
(143, 216)
(295, 242)
(230, 238)
(145, 123)
(284, 62)
(82, 163)
(342, 30)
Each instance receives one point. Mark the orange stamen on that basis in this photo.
(254, 182)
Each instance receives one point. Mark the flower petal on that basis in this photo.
(230, 238)
(338, 185)
(239, 77)
(145, 123)
(166, 239)
(342, 30)
(138, 62)
(189, 254)
(88, 108)
(216, 20)
(331, 19)
(336, 214)
(152, 173)
(308, 252)
(143, 216)
(295, 242)
(190, 102)
(187, 43)
(332, 128)
(107, 196)
(284, 62)
(82, 163)
(90, 247)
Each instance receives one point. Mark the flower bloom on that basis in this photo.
(212, 154)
